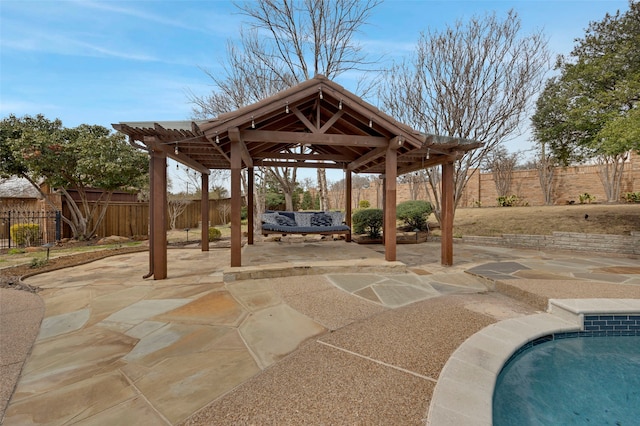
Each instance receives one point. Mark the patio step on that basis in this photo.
(290, 269)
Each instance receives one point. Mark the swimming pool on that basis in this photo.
(579, 380)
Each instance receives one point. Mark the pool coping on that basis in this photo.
(464, 392)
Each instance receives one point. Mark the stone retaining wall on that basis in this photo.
(601, 243)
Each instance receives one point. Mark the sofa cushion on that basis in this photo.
(285, 220)
(321, 219)
(336, 218)
(303, 219)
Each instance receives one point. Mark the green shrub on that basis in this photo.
(214, 234)
(38, 262)
(632, 197)
(364, 204)
(510, 201)
(586, 198)
(414, 213)
(368, 221)
(23, 234)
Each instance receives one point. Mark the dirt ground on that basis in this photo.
(11, 277)
(616, 219)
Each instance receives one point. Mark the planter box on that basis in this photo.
(363, 239)
(401, 238)
(411, 237)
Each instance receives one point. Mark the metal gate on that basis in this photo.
(29, 229)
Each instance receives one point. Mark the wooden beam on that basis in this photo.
(292, 156)
(312, 138)
(369, 156)
(396, 142)
(220, 150)
(168, 148)
(234, 135)
(298, 164)
(236, 204)
(447, 212)
(390, 204)
(331, 121)
(434, 160)
(309, 125)
(204, 212)
(262, 108)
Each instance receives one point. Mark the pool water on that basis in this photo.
(571, 381)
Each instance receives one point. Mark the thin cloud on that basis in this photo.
(41, 41)
(221, 20)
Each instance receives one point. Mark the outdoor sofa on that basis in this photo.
(284, 222)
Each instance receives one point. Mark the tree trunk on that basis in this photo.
(323, 191)
(611, 168)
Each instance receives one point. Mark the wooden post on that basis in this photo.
(204, 212)
(152, 184)
(250, 201)
(347, 210)
(159, 215)
(446, 215)
(390, 173)
(236, 204)
(384, 203)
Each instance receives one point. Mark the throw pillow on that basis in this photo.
(336, 218)
(321, 219)
(303, 219)
(270, 218)
(285, 221)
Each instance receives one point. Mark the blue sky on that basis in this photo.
(102, 62)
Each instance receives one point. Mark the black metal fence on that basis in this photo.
(29, 229)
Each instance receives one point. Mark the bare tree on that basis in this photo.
(287, 42)
(224, 209)
(176, 206)
(611, 168)
(546, 166)
(416, 180)
(502, 164)
(286, 178)
(472, 81)
(337, 191)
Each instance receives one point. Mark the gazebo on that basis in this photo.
(315, 124)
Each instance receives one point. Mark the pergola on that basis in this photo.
(315, 124)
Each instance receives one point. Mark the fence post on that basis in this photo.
(58, 225)
(9, 218)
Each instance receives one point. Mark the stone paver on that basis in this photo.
(364, 345)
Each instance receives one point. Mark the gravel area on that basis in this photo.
(321, 385)
(381, 370)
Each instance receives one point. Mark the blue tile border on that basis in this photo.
(604, 325)
(609, 322)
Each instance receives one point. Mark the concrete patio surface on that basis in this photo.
(210, 345)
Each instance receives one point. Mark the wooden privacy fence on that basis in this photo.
(132, 219)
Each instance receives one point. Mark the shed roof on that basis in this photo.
(17, 187)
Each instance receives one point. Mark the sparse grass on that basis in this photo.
(617, 219)
(20, 256)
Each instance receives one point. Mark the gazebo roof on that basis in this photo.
(315, 124)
